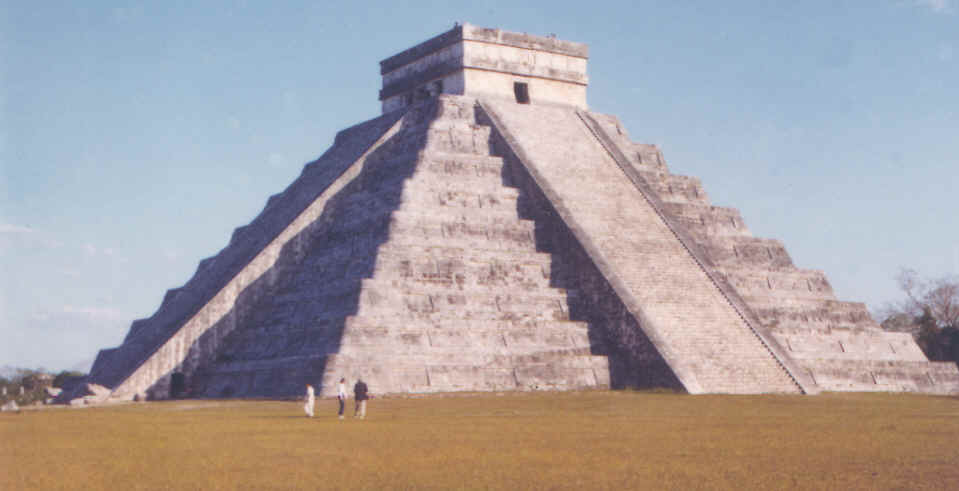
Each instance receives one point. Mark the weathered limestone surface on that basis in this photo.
(424, 279)
(479, 61)
(705, 341)
(479, 241)
(182, 327)
(411, 269)
(836, 343)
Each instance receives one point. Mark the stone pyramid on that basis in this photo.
(488, 232)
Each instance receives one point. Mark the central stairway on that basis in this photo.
(425, 279)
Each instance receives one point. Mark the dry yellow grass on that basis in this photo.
(582, 440)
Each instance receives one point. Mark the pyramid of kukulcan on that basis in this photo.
(488, 232)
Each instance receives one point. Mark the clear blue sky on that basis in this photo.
(134, 136)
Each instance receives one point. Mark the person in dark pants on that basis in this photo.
(361, 394)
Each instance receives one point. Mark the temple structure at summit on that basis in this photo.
(488, 232)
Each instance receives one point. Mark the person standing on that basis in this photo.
(360, 394)
(341, 396)
(310, 401)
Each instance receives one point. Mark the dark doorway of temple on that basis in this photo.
(521, 90)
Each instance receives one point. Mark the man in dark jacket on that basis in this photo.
(360, 395)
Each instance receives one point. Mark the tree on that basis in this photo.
(932, 306)
(33, 380)
(65, 377)
(938, 296)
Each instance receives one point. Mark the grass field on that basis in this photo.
(579, 440)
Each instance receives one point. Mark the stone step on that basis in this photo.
(471, 255)
(453, 162)
(564, 370)
(406, 144)
(370, 359)
(774, 323)
(458, 137)
(417, 300)
(445, 169)
(883, 376)
(412, 215)
(643, 156)
(567, 372)
(471, 191)
(456, 124)
(776, 285)
(319, 326)
(614, 127)
(480, 292)
(388, 338)
(810, 310)
(337, 301)
(342, 264)
(706, 220)
(824, 326)
(505, 235)
(455, 107)
(498, 246)
(463, 201)
(492, 233)
(456, 272)
(383, 175)
(849, 344)
(425, 181)
(356, 215)
(565, 356)
(439, 165)
(651, 157)
(380, 322)
(735, 251)
(673, 188)
(460, 343)
(449, 317)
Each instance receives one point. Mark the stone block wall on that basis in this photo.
(457, 246)
(422, 278)
(700, 334)
(156, 346)
(475, 61)
(837, 344)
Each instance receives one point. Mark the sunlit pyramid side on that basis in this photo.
(488, 232)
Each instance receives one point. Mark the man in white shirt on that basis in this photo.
(341, 396)
(310, 400)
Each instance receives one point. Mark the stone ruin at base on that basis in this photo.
(489, 232)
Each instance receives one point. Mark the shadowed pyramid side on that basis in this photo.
(155, 348)
(422, 278)
(281, 338)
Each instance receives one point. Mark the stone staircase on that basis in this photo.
(702, 337)
(487, 245)
(425, 280)
(836, 343)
